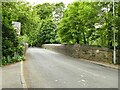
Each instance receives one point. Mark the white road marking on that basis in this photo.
(22, 77)
(83, 80)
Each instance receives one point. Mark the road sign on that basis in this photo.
(17, 26)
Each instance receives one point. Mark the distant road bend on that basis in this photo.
(47, 69)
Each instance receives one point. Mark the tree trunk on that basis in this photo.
(110, 39)
(84, 38)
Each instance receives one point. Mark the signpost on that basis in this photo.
(114, 52)
(17, 26)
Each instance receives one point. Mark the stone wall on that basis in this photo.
(83, 51)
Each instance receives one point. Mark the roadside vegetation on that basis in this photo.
(90, 23)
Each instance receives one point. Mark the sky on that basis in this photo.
(50, 1)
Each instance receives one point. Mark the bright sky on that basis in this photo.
(50, 1)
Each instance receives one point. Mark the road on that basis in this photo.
(48, 69)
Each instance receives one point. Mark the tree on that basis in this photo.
(44, 10)
(29, 21)
(117, 27)
(9, 36)
(21, 12)
(48, 16)
(10, 43)
(108, 22)
(47, 32)
(77, 22)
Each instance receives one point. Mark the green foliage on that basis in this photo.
(89, 23)
(10, 60)
(23, 38)
(44, 10)
(47, 33)
(78, 20)
(8, 33)
(49, 15)
(78, 23)
(10, 40)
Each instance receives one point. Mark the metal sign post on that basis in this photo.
(114, 52)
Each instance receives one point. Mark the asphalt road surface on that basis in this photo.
(48, 69)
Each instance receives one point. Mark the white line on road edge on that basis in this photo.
(22, 77)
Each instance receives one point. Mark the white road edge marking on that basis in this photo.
(22, 76)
